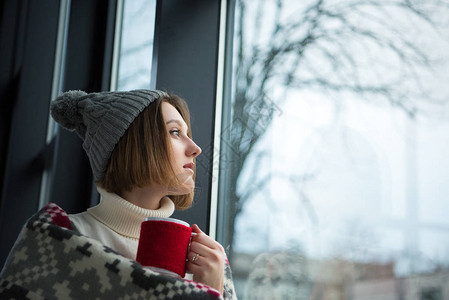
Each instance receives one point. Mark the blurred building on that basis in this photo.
(280, 275)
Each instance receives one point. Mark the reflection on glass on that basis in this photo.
(136, 44)
(336, 171)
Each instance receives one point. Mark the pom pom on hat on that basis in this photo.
(64, 110)
(101, 119)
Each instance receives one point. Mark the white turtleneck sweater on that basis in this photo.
(116, 222)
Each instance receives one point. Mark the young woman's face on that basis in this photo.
(184, 149)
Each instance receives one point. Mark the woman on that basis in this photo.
(142, 155)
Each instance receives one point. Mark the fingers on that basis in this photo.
(194, 258)
(205, 252)
(197, 264)
(201, 249)
(204, 239)
(205, 260)
(196, 229)
(193, 267)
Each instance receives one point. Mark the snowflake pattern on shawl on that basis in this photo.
(51, 261)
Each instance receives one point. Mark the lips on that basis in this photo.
(188, 166)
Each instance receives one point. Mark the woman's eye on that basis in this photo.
(176, 132)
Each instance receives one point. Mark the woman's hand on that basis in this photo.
(206, 260)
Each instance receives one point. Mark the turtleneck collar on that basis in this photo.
(124, 217)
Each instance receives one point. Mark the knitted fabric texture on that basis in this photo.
(124, 217)
(164, 245)
(101, 119)
(51, 260)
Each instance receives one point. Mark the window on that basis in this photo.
(333, 161)
(137, 20)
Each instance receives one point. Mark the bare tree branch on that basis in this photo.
(353, 46)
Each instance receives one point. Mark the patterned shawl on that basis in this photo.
(51, 261)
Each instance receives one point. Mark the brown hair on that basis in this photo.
(143, 155)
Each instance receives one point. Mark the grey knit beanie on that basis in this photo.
(101, 119)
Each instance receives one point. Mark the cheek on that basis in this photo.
(177, 156)
(178, 149)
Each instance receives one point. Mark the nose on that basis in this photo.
(193, 149)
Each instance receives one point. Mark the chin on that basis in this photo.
(187, 185)
(176, 191)
(181, 190)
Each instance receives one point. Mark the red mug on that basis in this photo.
(163, 245)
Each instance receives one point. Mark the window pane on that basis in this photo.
(333, 166)
(136, 44)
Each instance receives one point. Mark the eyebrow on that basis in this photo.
(177, 122)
